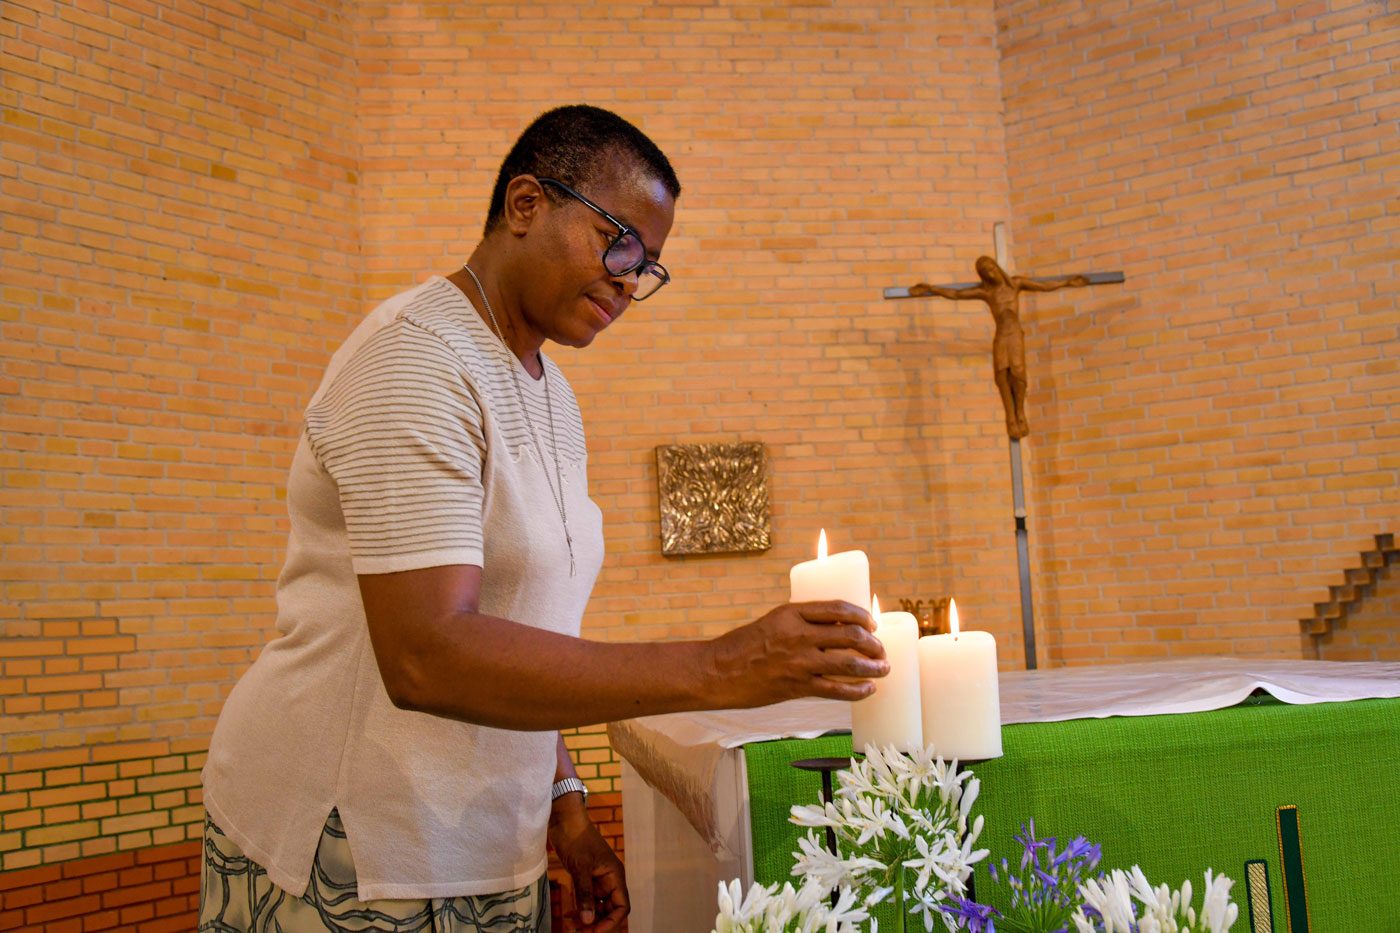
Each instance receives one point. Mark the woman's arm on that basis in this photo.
(437, 654)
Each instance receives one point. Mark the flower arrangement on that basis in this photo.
(1050, 891)
(904, 837)
(803, 910)
(1044, 889)
(1108, 906)
(901, 823)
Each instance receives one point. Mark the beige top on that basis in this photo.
(415, 454)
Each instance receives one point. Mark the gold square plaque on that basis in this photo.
(714, 498)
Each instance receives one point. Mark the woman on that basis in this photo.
(393, 760)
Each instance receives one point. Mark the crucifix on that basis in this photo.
(1000, 291)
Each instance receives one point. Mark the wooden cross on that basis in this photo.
(1091, 278)
(999, 291)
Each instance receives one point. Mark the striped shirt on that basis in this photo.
(417, 453)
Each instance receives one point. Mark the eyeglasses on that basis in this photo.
(626, 253)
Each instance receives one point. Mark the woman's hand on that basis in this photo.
(600, 885)
(795, 651)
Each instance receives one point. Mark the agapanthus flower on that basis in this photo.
(978, 918)
(1109, 905)
(901, 825)
(787, 910)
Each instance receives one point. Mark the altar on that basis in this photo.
(1281, 774)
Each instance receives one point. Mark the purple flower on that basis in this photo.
(1044, 892)
(1032, 845)
(978, 917)
(1078, 848)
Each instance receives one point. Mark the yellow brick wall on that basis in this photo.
(1217, 437)
(180, 257)
(201, 198)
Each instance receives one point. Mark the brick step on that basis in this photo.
(1343, 598)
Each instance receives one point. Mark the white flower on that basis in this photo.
(1218, 913)
(1163, 910)
(736, 913)
(931, 855)
(818, 865)
(958, 865)
(926, 766)
(1112, 898)
(728, 895)
(926, 905)
(815, 815)
(969, 796)
(1082, 923)
(873, 818)
(787, 905)
(847, 909)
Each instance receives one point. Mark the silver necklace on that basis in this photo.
(556, 486)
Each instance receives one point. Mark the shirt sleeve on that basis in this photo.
(400, 430)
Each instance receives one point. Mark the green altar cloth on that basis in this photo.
(1174, 794)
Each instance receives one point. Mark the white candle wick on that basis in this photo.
(821, 545)
(953, 618)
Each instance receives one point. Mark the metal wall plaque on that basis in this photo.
(714, 498)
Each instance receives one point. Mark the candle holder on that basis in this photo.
(826, 766)
(932, 614)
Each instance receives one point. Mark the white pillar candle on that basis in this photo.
(845, 575)
(891, 715)
(959, 692)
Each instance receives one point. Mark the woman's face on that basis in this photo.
(569, 296)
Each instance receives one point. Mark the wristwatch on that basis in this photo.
(568, 786)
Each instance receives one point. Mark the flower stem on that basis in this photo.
(899, 898)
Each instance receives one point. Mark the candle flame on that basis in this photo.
(821, 546)
(953, 616)
(875, 608)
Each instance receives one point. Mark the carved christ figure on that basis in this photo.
(1000, 292)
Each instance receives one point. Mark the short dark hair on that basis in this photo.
(573, 144)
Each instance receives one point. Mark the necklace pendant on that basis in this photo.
(557, 493)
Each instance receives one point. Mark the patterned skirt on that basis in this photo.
(235, 895)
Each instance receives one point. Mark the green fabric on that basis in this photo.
(1174, 794)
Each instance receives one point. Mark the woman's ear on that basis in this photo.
(524, 201)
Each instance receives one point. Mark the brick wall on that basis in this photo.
(1216, 438)
(179, 252)
(201, 198)
(151, 890)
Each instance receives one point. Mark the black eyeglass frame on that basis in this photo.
(641, 268)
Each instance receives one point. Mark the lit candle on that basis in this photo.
(958, 684)
(891, 715)
(845, 575)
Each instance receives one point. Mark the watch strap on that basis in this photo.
(568, 786)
